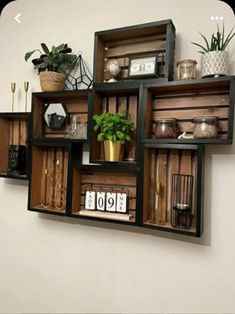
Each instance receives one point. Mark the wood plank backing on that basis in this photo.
(23, 132)
(185, 107)
(116, 43)
(108, 179)
(188, 114)
(65, 177)
(112, 104)
(191, 101)
(122, 103)
(135, 48)
(162, 179)
(16, 132)
(76, 195)
(173, 168)
(132, 115)
(186, 162)
(4, 144)
(38, 166)
(50, 179)
(58, 178)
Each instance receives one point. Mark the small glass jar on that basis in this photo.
(186, 69)
(165, 128)
(206, 127)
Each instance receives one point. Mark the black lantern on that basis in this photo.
(181, 201)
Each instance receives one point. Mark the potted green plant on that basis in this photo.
(114, 130)
(53, 65)
(215, 59)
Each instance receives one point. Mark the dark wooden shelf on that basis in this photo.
(8, 176)
(55, 141)
(153, 142)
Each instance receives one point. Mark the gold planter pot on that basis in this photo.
(113, 151)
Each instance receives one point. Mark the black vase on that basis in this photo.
(17, 160)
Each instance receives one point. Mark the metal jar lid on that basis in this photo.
(165, 120)
(205, 119)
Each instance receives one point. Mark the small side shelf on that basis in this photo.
(14, 154)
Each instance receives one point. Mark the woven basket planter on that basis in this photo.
(214, 63)
(52, 81)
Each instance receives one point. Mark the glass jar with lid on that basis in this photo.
(206, 127)
(165, 128)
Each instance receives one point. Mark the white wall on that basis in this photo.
(56, 265)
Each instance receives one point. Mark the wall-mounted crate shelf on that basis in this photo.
(162, 163)
(157, 38)
(75, 103)
(14, 129)
(185, 100)
(49, 177)
(97, 179)
(114, 98)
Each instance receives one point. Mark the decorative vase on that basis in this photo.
(113, 151)
(113, 67)
(52, 81)
(214, 63)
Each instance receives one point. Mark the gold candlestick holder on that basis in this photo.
(26, 88)
(13, 89)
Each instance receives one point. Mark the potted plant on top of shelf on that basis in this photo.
(214, 59)
(53, 66)
(115, 130)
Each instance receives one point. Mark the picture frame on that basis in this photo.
(142, 66)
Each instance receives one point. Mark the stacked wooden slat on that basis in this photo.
(186, 107)
(116, 182)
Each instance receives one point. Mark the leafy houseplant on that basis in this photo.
(53, 65)
(114, 130)
(214, 59)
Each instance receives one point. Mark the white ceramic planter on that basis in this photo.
(214, 63)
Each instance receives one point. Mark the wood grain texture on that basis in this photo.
(162, 178)
(4, 144)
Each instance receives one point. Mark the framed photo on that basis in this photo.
(144, 66)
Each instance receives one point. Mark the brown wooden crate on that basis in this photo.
(16, 132)
(191, 101)
(162, 178)
(222, 113)
(135, 40)
(110, 180)
(170, 161)
(23, 132)
(135, 48)
(4, 144)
